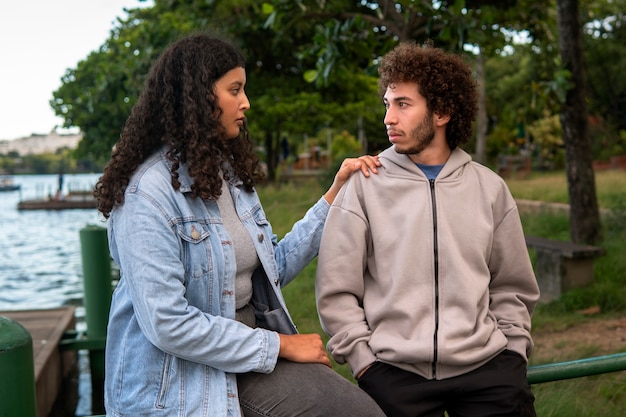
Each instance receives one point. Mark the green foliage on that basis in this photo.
(336, 59)
(47, 163)
(344, 144)
(98, 94)
(517, 91)
(606, 139)
(306, 51)
(605, 55)
(547, 138)
(8, 164)
(501, 140)
(508, 82)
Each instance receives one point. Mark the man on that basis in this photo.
(424, 281)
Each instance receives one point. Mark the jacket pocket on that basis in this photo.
(264, 229)
(165, 382)
(194, 237)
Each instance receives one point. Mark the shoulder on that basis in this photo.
(487, 175)
(492, 187)
(153, 173)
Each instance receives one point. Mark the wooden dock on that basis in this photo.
(52, 366)
(73, 200)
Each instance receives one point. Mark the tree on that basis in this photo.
(312, 64)
(585, 224)
(456, 24)
(604, 40)
(368, 29)
(97, 95)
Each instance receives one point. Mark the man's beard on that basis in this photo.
(422, 135)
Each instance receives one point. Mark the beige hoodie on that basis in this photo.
(432, 277)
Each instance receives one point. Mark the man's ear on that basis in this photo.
(442, 120)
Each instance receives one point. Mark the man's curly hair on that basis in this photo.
(178, 109)
(443, 79)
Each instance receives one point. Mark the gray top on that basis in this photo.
(245, 254)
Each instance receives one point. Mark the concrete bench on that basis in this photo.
(562, 266)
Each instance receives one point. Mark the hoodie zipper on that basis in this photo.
(436, 279)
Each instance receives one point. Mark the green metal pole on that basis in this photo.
(578, 368)
(98, 290)
(17, 371)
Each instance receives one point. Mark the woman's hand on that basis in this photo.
(365, 163)
(303, 348)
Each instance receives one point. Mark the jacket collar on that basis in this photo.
(401, 162)
(183, 174)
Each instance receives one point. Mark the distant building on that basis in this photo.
(38, 143)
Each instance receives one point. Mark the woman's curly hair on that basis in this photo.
(178, 109)
(443, 79)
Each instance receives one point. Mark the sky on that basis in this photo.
(39, 40)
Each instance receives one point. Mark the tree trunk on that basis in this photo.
(481, 122)
(585, 224)
(361, 135)
(270, 156)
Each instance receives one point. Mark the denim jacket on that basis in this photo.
(173, 347)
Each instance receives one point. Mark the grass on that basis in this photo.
(602, 395)
(597, 396)
(552, 187)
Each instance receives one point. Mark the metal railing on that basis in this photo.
(550, 372)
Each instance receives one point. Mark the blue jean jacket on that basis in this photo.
(173, 347)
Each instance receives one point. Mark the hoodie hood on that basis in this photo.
(400, 165)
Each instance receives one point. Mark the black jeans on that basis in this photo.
(498, 388)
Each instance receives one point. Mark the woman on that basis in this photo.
(198, 325)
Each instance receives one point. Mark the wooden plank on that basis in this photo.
(46, 328)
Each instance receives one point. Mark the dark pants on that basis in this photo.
(498, 388)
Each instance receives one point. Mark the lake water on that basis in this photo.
(40, 258)
(40, 255)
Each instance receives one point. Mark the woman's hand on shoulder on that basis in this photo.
(366, 164)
